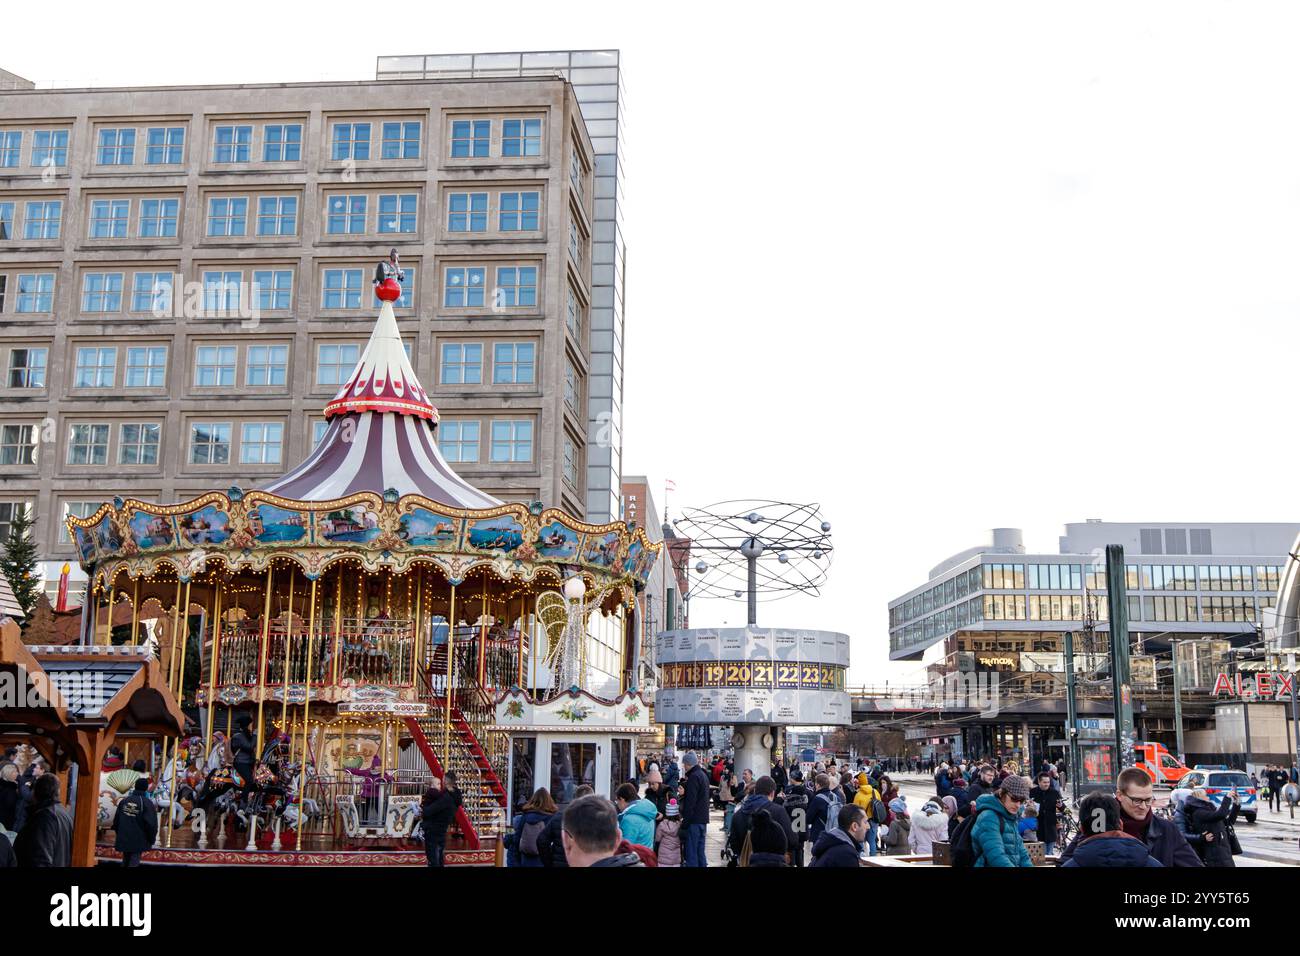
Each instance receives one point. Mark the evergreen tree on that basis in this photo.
(18, 561)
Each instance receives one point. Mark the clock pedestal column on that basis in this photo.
(753, 747)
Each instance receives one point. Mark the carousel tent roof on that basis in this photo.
(380, 435)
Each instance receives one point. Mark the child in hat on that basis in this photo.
(668, 836)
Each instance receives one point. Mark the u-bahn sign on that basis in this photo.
(1264, 685)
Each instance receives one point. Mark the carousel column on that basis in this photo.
(451, 676)
(288, 634)
(135, 614)
(215, 662)
(306, 700)
(261, 661)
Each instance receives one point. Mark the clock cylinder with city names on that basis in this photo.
(751, 675)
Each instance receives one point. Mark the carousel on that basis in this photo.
(367, 623)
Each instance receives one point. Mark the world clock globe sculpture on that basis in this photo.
(757, 680)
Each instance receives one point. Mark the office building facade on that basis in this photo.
(597, 79)
(185, 280)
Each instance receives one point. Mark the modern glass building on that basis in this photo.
(597, 80)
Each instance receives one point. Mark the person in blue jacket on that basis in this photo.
(636, 815)
(1102, 840)
(995, 838)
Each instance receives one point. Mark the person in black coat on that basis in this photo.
(841, 846)
(767, 842)
(12, 798)
(1163, 838)
(694, 805)
(135, 823)
(1048, 799)
(759, 801)
(550, 845)
(1211, 823)
(437, 810)
(46, 838)
(243, 750)
(797, 800)
(7, 857)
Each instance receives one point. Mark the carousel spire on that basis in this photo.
(381, 422)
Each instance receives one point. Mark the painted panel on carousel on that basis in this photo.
(501, 534)
(208, 525)
(557, 542)
(423, 528)
(632, 561)
(273, 525)
(601, 549)
(355, 524)
(152, 531)
(85, 544)
(107, 540)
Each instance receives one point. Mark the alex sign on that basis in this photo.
(1265, 684)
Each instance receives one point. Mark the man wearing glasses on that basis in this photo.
(1164, 841)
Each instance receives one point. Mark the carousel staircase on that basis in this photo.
(464, 819)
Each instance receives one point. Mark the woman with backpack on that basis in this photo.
(530, 823)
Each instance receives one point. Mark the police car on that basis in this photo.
(1217, 781)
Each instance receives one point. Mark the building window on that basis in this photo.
(11, 148)
(461, 364)
(351, 141)
(101, 292)
(571, 389)
(470, 138)
(458, 441)
(17, 444)
(152, 292)
(516, 286)
(342, 289)
(277, 215)
(259, 443)
(318, 430)
(406, 300)
(1151, 541)
(397, 213)
(513, 363)
(463, 288)
(221, 292)
(108, 218)
(346, 214)
(521, 137)
(76, 509)
(334, 363)
(573, 316)
(227, 216)
(36, 292)
(274, 290)
(158, 218)
(50, 147)
(6, 220)
(214, 366)
(282, 143)
(1004, 576)
(27, 369)
(512, 441)
(575, 243)
(519, 212)
(267, 365)
(88, 445)
(146, 366)
(116, 147)
(570, 462)
(400, 141)
(43, 220)
(575, 173)
(1200, 541)
(96, 368)
(467, 212)
(233, 144)
(8, 511)
(164, 145)
(210, 443)
(139, 444)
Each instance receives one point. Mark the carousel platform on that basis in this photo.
(317, 850)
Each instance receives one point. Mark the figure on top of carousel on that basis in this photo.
(388, 276)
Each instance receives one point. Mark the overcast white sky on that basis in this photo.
(939, 267)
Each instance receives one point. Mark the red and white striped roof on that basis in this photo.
(380, 435)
